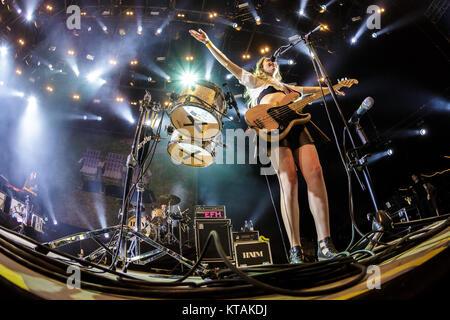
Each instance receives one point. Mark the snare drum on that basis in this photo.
(192, 152)
(199, 110)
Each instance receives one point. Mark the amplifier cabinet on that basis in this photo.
(203, 227)
(253, 253)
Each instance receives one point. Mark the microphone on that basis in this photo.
(232, 101)
(363, 108)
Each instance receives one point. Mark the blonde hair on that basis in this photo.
(260, 73)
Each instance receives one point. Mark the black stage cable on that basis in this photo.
(145, 289)
(276, 214)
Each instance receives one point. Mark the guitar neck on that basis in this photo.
(299, 105)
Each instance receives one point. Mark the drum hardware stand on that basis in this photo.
(379, 218)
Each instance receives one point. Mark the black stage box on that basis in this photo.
(245, 236)
(253, 253)
(202, 229)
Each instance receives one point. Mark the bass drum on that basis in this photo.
(147, 229)
(199, 110)
(191, 152)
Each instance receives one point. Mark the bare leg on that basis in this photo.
(284, 164)
(309, 164)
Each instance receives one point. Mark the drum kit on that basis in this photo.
(196, 116)
(160, 226)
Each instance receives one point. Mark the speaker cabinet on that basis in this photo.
(203, 227)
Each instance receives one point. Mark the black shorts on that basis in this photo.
(296, 138)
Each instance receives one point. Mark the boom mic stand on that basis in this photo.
(378, 220)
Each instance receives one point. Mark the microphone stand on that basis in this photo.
(378, 218)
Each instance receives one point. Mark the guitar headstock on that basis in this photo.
(347, 83)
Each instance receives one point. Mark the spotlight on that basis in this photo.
(291, 62)
(189, 79)
(212, 15)
(229, 76)
(301, 12)
(49, 89)
(3, 51)
(189, 58)
(323, 27)
(105, 28)
(55, 223)
(423, 132)
(70, 52)
(139, 30)
(235, 25)
(119, 99)
(21, 42)
(29, 16)
(158, 31)
(390, 152)
(85, 118)
(76, 97)
(374, 35)
(354, 40)
(49, 8)
(258, 20)
(134, 62)
(381, 10)
(129, 13)
(19, 72)
(99, 118)
(323, 8)
(113, 62)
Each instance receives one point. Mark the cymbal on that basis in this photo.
(166, 198)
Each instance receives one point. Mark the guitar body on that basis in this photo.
(273, 122)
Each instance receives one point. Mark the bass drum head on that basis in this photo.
(190, 153)
(195, 121)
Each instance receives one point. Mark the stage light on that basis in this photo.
(381, 10)
(19, 72)
(90, 57)
(291, 62)
(49, 89)
(228, 76)
(99, 118)
(129, 13)
(390, 152)
(29, 16)
(189, 79)
(112, 62)
(55, 223)
(76, 97)
(85, 118)
(212, 15)
(158, 31)
(323, 8)
(323, 27)
(49, 8)
(139, 30)
(119, 99)
(423, 132)
(21, 42)
(71, 52)
(180, 15)
(258, 20)
(189, 58)
(3, 51)
(105, 28)
(301, 12)
(19, 11)
(134, 62)
(354, 40)
(2, 83)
